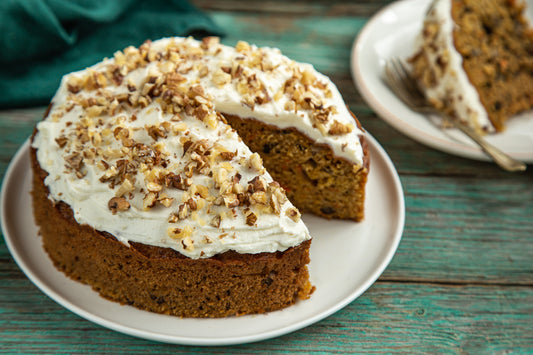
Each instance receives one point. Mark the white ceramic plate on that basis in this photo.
(346, 259)
(391, 33)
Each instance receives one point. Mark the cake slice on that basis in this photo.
(474, 60)
(144, 191)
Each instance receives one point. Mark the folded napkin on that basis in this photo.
(41, 40)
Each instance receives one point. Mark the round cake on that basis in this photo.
(150, 182)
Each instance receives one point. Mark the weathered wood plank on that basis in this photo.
(390, 317)
(296, 8)
(15, 127)
(466, 229)
(461, 281)
(324, 42)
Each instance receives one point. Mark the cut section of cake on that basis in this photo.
(474, 60)
(144, 191)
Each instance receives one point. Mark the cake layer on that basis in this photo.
(161, 279)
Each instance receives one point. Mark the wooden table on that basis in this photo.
(460, 282)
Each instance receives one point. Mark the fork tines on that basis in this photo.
(402, 83)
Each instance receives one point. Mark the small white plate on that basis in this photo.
(346, 259)
(391, 33)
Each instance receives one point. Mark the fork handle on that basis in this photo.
(502, 159)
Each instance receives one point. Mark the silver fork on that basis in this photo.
(398, 78)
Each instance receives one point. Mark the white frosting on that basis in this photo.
(453, 85)
(228, 100)
(70, 130)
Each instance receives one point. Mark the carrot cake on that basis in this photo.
(144, 191)
(474, 60)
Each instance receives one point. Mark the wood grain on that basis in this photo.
(298, 8)
(389, 317)
(460, 282)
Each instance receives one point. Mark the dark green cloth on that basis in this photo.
(41, 40)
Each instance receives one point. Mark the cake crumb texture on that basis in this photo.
(314, 179)
(497, 46)
(495, 42)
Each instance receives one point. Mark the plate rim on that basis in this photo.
(370, 279)
(439, 143)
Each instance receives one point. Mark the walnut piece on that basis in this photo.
(293, 214)
(179, 233)
(117, 204)
(338, 128)
(251, 218)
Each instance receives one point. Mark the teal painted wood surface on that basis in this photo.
(390, 317)
(461, 281)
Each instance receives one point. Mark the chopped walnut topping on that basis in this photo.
(311, 101)
(231, 201)
(192, 204)
(259, 197)
(238, 189)
(156, 132)
(173, 81)
(226, 187)
(109, 174)
(74, 161)
(179, 233)
(256, 162)
(183, 211)
(202, 190)
(149, 200)
(215, 222)
(187, 243)
(75, 84)
(251, 218)
(197, 90)
(308, 78)
(121, 133)
(290, 106)
(243, 47)
(210, 42)
(338, 128)
(219, 176)
(165, 200)
(116, 204)
(221, 78)
(252, 89)
(95, 111)
(144, 101)
(200, 203)
(293, 214)
(96, 138)
(211, 120)
(96, 80)
(176, 181)
(277, 198)
(125, 187)
(257, 184)
(61, 141)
